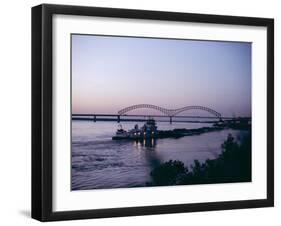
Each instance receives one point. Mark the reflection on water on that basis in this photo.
(148, 143)
(100, 162)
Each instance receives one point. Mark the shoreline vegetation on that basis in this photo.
(232, 165)
(177, 133)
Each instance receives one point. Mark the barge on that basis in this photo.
(149, 131)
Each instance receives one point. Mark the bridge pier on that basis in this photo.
(171, 121)
(95, 118)
(118, 118)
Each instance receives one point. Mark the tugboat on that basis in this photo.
(120, 133)
(147, 131)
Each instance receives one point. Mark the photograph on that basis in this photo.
(132, 104)
(152, 111)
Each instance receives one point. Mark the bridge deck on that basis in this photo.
(142, 118)
(156, 116)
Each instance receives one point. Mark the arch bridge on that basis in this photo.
(169, 112)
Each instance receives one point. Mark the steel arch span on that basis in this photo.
(211, 111)
(169, 112)
(139, 106)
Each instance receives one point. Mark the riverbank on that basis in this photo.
(232, 165)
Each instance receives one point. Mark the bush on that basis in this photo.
(168, 173)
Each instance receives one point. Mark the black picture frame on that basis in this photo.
(42, 107)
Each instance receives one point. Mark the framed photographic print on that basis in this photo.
(145, 112)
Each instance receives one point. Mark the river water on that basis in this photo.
(100, 162)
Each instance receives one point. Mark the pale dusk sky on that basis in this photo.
(110, 73)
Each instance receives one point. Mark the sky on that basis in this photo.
(110, 73)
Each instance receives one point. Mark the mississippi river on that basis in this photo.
(98, 162)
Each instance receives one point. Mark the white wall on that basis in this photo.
(15, 89)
